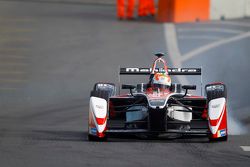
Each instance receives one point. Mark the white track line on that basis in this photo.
(13, 80)
(231, 23)
(12, 57)
(245, 148)
(8, 89)
(236, 23)
(232, 31)
(206, 37)
(173, 49)
(12, 72)
(13, 64)
(177, 59)
(174, 52)
(212, 45)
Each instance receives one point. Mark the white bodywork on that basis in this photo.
(216, 110)
(179, 113)
(98, 109)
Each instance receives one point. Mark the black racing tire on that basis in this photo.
(216, 93)
(95, 138)
(224, 138)
(104, 94)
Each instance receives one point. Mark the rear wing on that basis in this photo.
(171, 71)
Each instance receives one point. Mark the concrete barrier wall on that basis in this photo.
(111, 2)
(99, 2)
(229, 9)
(183, 10)
(248, 8)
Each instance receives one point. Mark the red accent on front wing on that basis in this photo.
(223, 124)
(100, 135)
(101, 121)
(214, 122)
(111, 110)
(205, 113)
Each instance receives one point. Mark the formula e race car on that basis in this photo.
(158, 107)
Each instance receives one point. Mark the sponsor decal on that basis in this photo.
(162, 70)
(93, 130)
(183, 70)
(171, 71)
(215, 87)
(221, 133)
(215, 105)
(134, 70)
(104, 86)
(99, 107)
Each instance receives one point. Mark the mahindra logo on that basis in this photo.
(99, 107)
(215, 106)
(182, 70)
(132, 69)
(147, 70)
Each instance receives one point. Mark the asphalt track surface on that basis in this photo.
(51, 54)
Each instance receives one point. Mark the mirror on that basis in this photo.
(128, 87)
(190, 87)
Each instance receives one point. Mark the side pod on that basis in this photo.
(97, 117)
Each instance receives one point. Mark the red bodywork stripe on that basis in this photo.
(101, 121)
(205, 113)
(214, 122)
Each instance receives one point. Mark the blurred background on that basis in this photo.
(53, 51)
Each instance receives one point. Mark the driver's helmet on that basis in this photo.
(161, 80)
